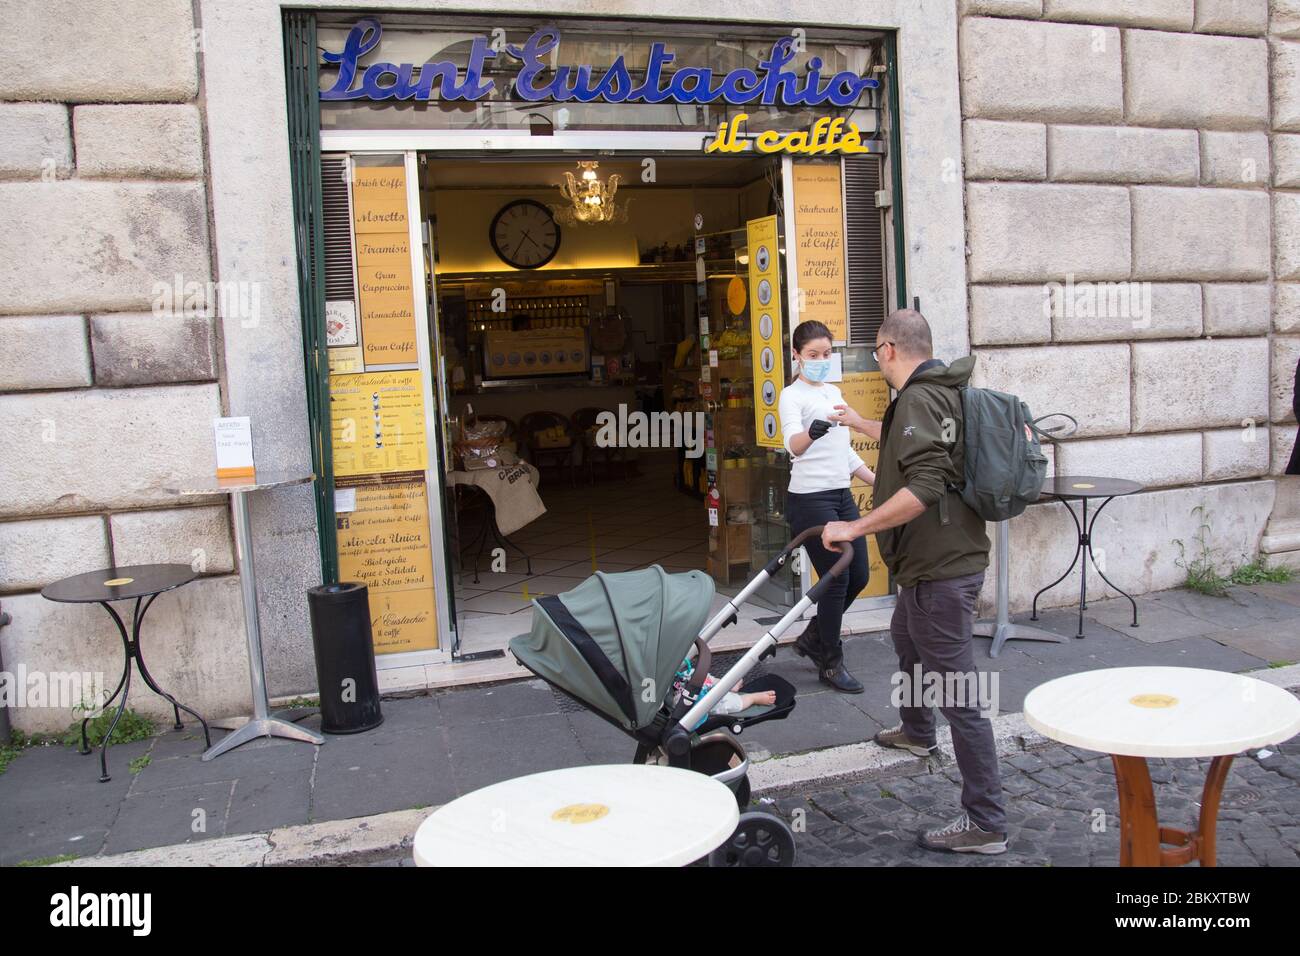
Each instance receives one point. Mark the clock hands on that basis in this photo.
(530, 239)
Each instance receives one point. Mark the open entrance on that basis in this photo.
(546, 334)
(596, 374)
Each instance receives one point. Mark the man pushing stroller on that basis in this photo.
(936, 549)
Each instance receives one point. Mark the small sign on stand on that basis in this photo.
(234, 447)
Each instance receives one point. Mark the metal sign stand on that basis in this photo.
(1001, 629)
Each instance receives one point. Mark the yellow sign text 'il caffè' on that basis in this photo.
(824, 137)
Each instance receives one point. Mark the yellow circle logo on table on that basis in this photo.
(1153, 700)
(580, 813)
(1082, 484)
(117, 582)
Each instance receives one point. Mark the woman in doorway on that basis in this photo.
(823, 467)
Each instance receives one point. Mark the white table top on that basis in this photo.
(1162, 712)
(615, 815)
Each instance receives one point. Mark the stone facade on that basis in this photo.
(1160, 221)
(109, 381)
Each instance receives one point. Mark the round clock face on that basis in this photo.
(525, 234)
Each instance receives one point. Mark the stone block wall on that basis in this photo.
(109, 380)
(1133, 244)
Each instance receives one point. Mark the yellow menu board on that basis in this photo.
(384, 543)
(383, 248)
(387, 307)
(379, 199)
(377, 423)
(867, 393)
(765, 327)
(819, 246)
(527, 352)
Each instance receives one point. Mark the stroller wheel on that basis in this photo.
(760, 839)
(743, 793)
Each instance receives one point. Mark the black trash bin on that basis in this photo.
(345, 658)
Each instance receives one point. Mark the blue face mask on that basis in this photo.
(815, 370)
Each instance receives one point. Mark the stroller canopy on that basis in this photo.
(616, 640)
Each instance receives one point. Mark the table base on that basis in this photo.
(488, 530)
(1000, 627)
(132, 652)
(1143, 842)
(1085, 544)
(251, 728)
(1001, 632)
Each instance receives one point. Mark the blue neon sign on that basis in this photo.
(771, 84)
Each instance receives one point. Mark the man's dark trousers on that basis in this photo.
(931, 627)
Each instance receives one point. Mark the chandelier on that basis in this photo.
(590, 199)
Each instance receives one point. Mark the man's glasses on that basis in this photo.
(878, 347)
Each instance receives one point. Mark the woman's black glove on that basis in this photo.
(818, 428)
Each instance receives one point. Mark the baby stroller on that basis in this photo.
(614, 644)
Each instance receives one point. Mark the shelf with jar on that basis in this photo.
(735, 456)
(530, 312)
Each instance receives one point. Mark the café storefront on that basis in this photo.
(507, 226)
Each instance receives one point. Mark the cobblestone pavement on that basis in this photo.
(1061, 805)
(1061, 808)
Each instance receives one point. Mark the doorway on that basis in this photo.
(562, 343)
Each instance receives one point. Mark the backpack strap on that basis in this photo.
(1050, 434)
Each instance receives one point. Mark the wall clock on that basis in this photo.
(525, 234)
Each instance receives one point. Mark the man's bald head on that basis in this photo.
(910, 333)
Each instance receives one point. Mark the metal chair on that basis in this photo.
(542, 456)
(584, 419)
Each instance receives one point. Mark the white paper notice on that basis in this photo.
(345, 500)
(234, 444)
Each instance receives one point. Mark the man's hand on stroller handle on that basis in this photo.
(837, 531)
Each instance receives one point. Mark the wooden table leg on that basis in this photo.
(1139, 832)
(1209, 819)
(1141, 836)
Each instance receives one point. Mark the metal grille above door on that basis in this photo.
(339, 275)
(865, 248)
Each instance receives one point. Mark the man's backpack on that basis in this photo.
(1005, 464)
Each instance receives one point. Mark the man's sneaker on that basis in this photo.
(963, 836)
(840, 679)
(894, 737)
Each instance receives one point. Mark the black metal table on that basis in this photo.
(1085, 488)
(143, 583)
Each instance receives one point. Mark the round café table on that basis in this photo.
(1133, 713)
(141, 583)
(262, 723)
(1086, 488)
(609, 815)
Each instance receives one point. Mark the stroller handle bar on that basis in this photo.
(727, 615)
(730, 610)
(838, 568)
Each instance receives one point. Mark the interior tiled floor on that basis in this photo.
(612, 524)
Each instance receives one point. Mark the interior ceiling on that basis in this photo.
(513, 173)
